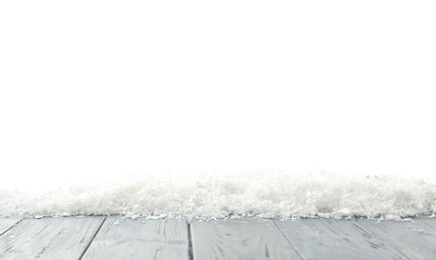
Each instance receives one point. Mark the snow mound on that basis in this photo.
(209, 195)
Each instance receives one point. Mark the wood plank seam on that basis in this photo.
(92, 239)
(16, 223)
(190, 249)
(289, 241)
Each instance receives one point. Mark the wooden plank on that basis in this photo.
(430, 222)
(414, 239)
(245, 238)
(49, 238)
(336, 239)
(140, 239)
(7, 223)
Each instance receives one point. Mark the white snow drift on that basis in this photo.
(208, 195)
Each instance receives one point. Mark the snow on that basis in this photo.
(233, 84)
(211, 195)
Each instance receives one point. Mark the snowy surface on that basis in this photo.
(208, 195)
(93, 89)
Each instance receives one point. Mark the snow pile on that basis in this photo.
(208, 195)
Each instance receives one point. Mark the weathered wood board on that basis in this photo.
(7, 223)
(337, 239)
(245, 238)
(49, 238)
(140, 239)
(430, 222)
(415, 239)
(248, 238)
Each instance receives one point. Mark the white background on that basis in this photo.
(94, 88)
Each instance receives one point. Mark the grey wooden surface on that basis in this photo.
(416, 239)
(7, 223)
(332, 239)
(49, 238)
(248, 238)
(140, 239)
(245, 238)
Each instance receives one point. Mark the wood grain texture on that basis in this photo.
(415, 239)
(7, 223)
(120, 238)
(240, 239)
(337, 239)
(49, 238)
(430, 222)
(140, 239)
